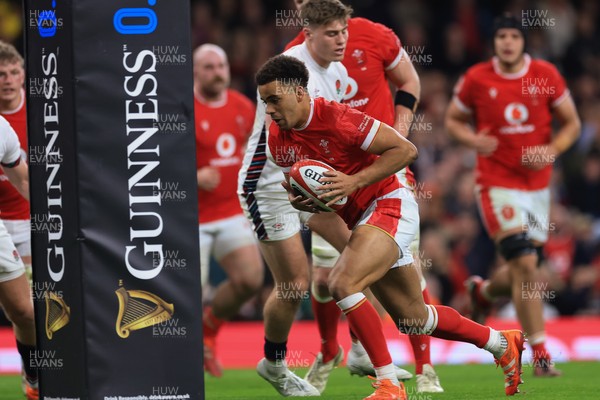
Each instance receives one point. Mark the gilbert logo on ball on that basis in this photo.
(305, 178)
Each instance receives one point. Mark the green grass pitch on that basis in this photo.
(478, 382)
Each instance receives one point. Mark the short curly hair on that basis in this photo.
(285, 69)
(322, 12)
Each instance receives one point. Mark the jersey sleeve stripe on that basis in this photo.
(269, 154)
(370, 136)
(12, 164)
(461, 106)
(396, 60)
(561, 98)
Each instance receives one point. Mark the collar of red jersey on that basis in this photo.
(515, 75)
(310, 116)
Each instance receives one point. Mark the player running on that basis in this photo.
(223, 124)
(15, 292)
(276, 223)
(383, 215)
(15, 209)
(373, 55)
(511, 99)
(15, 233)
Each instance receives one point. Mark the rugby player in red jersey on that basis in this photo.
(511, 101)
(382, 214)
(374, 55)
(223, 123)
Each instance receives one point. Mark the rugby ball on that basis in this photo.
(305, 178)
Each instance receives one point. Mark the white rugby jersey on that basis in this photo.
(257, 172)
(10, 149)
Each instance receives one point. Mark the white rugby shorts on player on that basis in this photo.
(504, 209)
(20, 233)
(11, 265)
(221, 237)
(271, 213)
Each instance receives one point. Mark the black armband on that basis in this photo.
(406, 99)
(12, 164)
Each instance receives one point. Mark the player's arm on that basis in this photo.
(568, 132)
(458, 125)
(395, 153)
(405, 78)
(570, 126)
(18, 175)
(208, 178)
(15, 169)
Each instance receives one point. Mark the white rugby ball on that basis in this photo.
(305, 178)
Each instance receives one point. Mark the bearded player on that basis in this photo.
(373, 55)
(223, 123)
(511, 101)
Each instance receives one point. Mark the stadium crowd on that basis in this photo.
(443, 40)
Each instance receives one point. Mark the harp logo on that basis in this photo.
(57, 313)
(139, 309)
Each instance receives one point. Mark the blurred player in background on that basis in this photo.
(511, 100)
(15, 233)
(373, 55)
(382, 214)
(15, 209)
(223, 124)
(15, 292)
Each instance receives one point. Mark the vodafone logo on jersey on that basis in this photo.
(226, 145)
(516, 113)
(351, 91)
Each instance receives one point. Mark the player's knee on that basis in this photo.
(248, 284)
(321, 288)
(341, 286)
(516, 246)
(320, 282)
(22, 316)
(410, 312)
(292, 291)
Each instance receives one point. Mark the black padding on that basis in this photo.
(516, 246)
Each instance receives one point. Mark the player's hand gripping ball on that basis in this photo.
(305, 178)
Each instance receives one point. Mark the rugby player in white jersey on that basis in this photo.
(15, 292)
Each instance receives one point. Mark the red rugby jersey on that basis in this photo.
(221, 133)
(517, 108)
(339, 136)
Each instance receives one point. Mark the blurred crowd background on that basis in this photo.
(444, 38)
